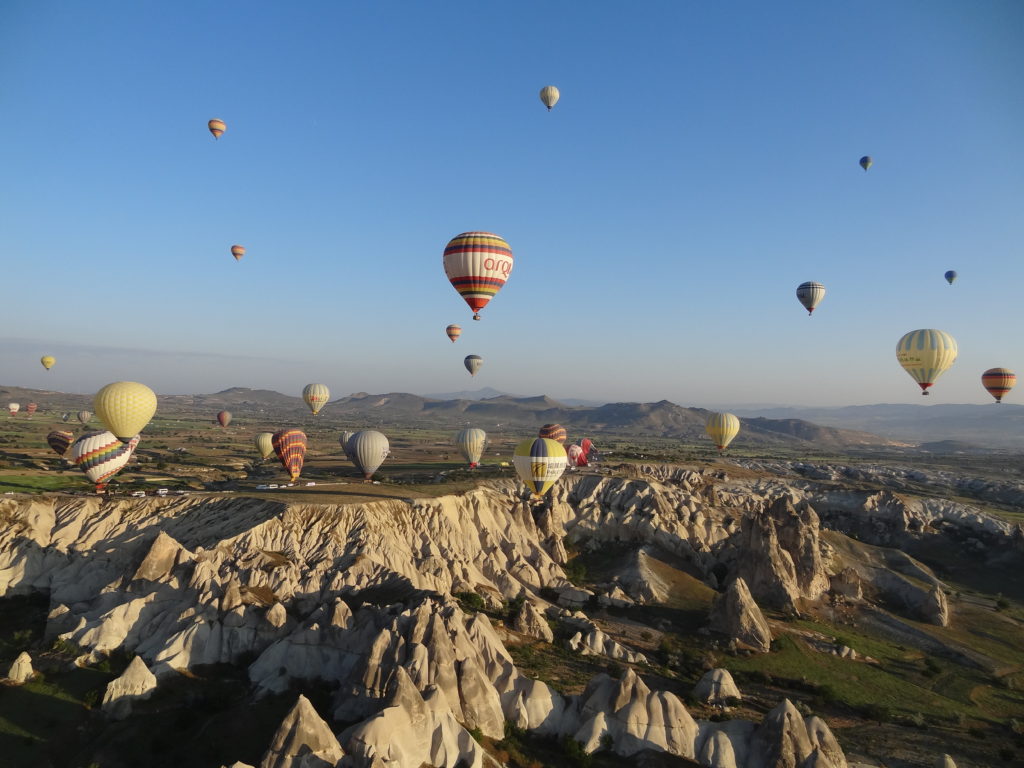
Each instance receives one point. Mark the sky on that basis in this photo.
(701, 163)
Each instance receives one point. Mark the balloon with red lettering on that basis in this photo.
(998, 381)
(369, 448)
(473, 363)
(224, 418)
(290, 447)
(453, 331)
(316, 396)
(477, 265)
(59, 440)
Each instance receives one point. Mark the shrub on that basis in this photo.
(477, 734)
(880, 713)
(471, 601)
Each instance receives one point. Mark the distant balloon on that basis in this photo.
(224, 418)
(217, 127)
(951, 277)
(575, 456)
(125, 407)
(290, 447)
(477, 265)
(453, 331)
(13, 408)
(586, 444)
(998, 381)
(552, 432)
(926, 354)
(344, 439)
(549, 96)
(866, 162)
(471, 443)
(265, 444)
(810, 294)
(101, 455)
(30, 409)
(316, 396)
(539, 462)
(473, 363)
(369, 449)
(47, 361)
(238, 251)
(722, 428)
(65, 416)
(59, 440)
(84, 416)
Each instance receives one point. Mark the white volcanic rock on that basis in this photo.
(716, 687)
(785, 740)
(735, 614)
(848, 584)
(303, 740)
(136, 683)
(21, 670)
(945, 761)
(598, 643)
(530, 621)
(724, 741)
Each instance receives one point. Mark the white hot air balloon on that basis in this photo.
(471, 443)
(549, 96)
(369, 449)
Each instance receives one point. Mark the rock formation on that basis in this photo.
(303, 740)
(735, 614)
(597, 642)
(716, 687)
(530, 621)
(945, 761)
(21, 670)
(136, 683)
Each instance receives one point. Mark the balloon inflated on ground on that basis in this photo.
(264, 444)
(926, 354)
(367, 450)
(290, 447)
(477, 265)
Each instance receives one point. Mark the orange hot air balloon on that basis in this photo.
(453, 331)
(998, 381)
(552, 432)
(31, 408)
(238, 251)
(217, 127)
(224, 418)
(477, 265)
(290, 447)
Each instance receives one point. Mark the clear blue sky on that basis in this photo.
(701, 163)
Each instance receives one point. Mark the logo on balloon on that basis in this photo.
(498, 265)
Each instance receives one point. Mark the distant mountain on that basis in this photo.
(987, 426)
(476, 394)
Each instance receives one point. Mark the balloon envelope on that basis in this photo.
(950, 276)
(101, 454)
(84, 416)
(453, 331)
(47, 361)
(866, 162)
(238, 251)
(552, 432)
(926, 354)
(477, 265)
(224, 418)
(217, 127)
(473, 363)
(13, 408)
(471, 443)
(31, 408)
(998, 381)
(125, 407)
(369, 449)
(59, 440)
(265, 444)
(539, 462)
(575, 456)
(549, 96)
(344, 440)
(290, 447)
(810, 294)
(722, 428)
(316, 396)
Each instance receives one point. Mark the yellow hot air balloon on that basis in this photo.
(539, 462)
(47, 361)
(217, 127)
(722, 428)
(125, 408)
(316, 396)
(926, 354)
(265, 444)
(549, 95)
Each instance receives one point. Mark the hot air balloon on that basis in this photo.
(13, 408)
(453, 331)
(722, 428)
(65, 416)
(84, 416)
(810, 294)
(369, 449)
(471, 443)
(224, 418)
(47, 361)
(344, 440)
(866, 162)
(998, 381)
(290, 447)
(473, 363)
(316, 396)
(552, 432)
(265, 444)
(101, 455)
(539, 463)
(926, 354)
(549, 96)
(586, 444)
(238, 251)
(30, 409)
(59, 440)
(574, 456)
(125, 407)
(217, 127)
(950, 276)
(477, 264)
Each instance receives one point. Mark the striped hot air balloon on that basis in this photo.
(552, 432)
(473, 364)
(290, 447)
(101, 455)
(453, 331)
(477, 265)
(265, 444)
(224, 418)
(722, 428)
(316, 396)
(59, 440)
(368, 450)
(471, 443)
(926, 354)
(30, 409)
(998, 381)
(539, 462)
(238, 251)
(125, 407)
(549, 96)
(344, 440)
(84, 416)
(217, 127)
(810, 294)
